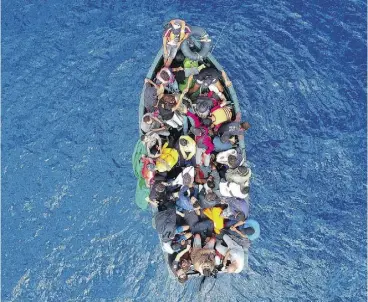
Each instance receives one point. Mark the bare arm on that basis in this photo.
(151, 82)
(239, 223)
(227, 255)
(226, 79)
(180, 100)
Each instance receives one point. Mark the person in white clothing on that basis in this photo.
(233, 253)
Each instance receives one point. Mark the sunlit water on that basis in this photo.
(72, 72)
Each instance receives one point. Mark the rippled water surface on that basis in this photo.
(72, 72)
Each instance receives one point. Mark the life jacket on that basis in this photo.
(147, 173)
(191, 146)
(177, 33)
(215, 215)
(223, 114)
(167, 160)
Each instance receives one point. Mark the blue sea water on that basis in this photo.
(72, 73)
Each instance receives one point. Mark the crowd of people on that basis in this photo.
(195, 169)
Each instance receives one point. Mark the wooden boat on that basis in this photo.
(230, 96)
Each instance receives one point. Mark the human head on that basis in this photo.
(187, 179)
(240, 216)
(143, 137)
(181, 275)
(169, 98)
(210, 196)
(245, 125)
(207, 272)
(202, 110)
(243, 170)
(147, 119)
(176, 23)
(207, 122)
(183, 142)
(160, 187)
(211, 182)
(232, 160)
(196, 131)
(244, 190)
(185, 264)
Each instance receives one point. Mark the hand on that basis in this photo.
(146, 80)
(185, 90)
(228, 83)
(232, 228)
(185, 109)
(188, 247)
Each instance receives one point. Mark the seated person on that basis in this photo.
(176, 242)
(239, 175)
(181, 264)
(148, 170)
(161, 194)
(232, 189)
(150, 95)
(153, 144)
(236, 212)
(176, 33)
(188, 199)
(187, 148)
(208, 78)
(186, 177)
(233, 253)
(208, 199)
(203, 259)
(150, 123)
(204, 146)
(229, 129)
(167, 160)
(233, 158)
(166, 81)
(168, 109)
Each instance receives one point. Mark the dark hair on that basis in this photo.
(211, 196)
(243, 170)
(245, 125)
(187, 179)
(183, 279)
(169, 98)
(160, 187)
(240, 216)
(207, 122)
(146, 118)
(210, 183)
(207, 272)
(142, 137)
(244, 190)
(232, 161)
(183, 142)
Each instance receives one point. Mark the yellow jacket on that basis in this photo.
(215, 215)
(167, 160)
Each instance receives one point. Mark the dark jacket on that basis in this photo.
(166, 224)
